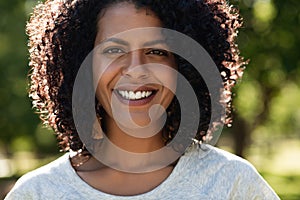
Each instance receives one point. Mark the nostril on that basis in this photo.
(137, 72)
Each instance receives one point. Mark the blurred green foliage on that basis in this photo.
(19, 128)
(287, 186)
(267, 100)
(266, 103)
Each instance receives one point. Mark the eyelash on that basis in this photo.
(159, 52)
(113, 50)
(116, 50)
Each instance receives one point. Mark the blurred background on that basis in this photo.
(266, 128)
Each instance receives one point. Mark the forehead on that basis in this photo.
(123, 17)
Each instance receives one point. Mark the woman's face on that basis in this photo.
(134, 68)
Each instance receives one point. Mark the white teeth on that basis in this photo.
(148, 93)
(122, 93)
(143, 94)
(138, 95)
(126, 95)
(130, 95)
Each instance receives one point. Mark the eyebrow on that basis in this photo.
(154, 42)
(115, 40)
(123, 42)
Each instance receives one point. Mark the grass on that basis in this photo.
(286, 186)
(279, 163)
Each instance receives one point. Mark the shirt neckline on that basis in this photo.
(86, 188)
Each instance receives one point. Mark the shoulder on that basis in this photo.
(49, 171)
(215, 159)
(221, 172)
(47, 177)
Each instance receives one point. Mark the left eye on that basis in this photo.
(113, 51)
(158, 52)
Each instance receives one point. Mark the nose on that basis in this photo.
(135, 66)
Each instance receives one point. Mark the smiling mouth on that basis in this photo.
(135, 98)
(135, 95)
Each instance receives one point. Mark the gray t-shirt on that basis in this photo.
(201, 173)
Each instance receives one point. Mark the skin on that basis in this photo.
(124, 62)
(126, 69)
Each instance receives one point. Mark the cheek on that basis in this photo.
(102, 69)
(167, 75)
(100, 93)
(104, 76)
(170, 81)
(103, 95)
(171, 76)
(102, 84)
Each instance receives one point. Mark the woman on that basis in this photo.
(133, 77)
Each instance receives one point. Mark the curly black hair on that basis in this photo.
(62, 33)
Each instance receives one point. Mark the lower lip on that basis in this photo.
(139, 102)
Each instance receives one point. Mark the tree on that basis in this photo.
(18, 124)
(271, 40)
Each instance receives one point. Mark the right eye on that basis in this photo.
(113, 50)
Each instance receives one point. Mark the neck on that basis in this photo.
(137, 140)
(125, 152)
